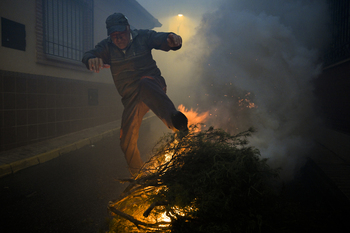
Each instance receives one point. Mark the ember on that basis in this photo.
(246, 102)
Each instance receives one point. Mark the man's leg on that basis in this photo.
(129, 133)
(152, 93)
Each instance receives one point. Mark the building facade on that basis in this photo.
(333, 85)
(45, 90)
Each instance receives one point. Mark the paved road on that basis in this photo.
(70, 193)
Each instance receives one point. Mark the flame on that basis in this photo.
(168, 156)
(182, 212)
(164, 218)
(193, 116)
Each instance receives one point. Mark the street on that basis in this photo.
(71, 193)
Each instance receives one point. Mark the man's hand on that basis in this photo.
(95, 64)
(174, 40)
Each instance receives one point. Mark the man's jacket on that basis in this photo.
(135, 61)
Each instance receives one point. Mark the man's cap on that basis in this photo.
(116, 22)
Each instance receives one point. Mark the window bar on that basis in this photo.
(346, 30)
(59, 22)
(79, 32)
(61, 43)
(55, 19)
(50, 30)
(57, 28)
(62, 29)
(67, 34)
(80, 26)
(73, 29)
(52, 34)
(47, 40)
(77, 39)
(72, 32)
(52, 40)
(76, 32)
(44, 26)
(70, 29)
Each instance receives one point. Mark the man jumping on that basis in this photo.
(137, 79)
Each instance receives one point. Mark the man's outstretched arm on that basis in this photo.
(96, 63)
(174, 40)
(97, 58)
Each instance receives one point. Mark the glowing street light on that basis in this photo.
(180, 15)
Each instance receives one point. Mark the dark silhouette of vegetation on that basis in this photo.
(207, 181)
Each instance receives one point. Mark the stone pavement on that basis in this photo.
(14, 160)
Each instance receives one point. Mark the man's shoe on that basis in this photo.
(179, 121)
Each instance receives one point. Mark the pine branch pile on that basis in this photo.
(207, 181)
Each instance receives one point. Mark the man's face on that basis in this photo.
(121, 39)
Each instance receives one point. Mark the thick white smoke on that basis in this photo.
(255, 61)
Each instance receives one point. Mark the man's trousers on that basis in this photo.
(149, 94)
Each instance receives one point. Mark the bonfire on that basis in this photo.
(203, 181)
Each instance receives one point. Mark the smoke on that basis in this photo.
(253, 63)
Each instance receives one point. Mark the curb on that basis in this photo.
(18, 159)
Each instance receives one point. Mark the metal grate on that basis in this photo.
(68, 27)
(340, 45)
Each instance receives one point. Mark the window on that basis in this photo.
(340, 45)
(67, 27)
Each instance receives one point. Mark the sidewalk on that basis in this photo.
(14, 160)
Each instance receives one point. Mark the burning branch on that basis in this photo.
(154, 204)
(138, 223)
(202, 180)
